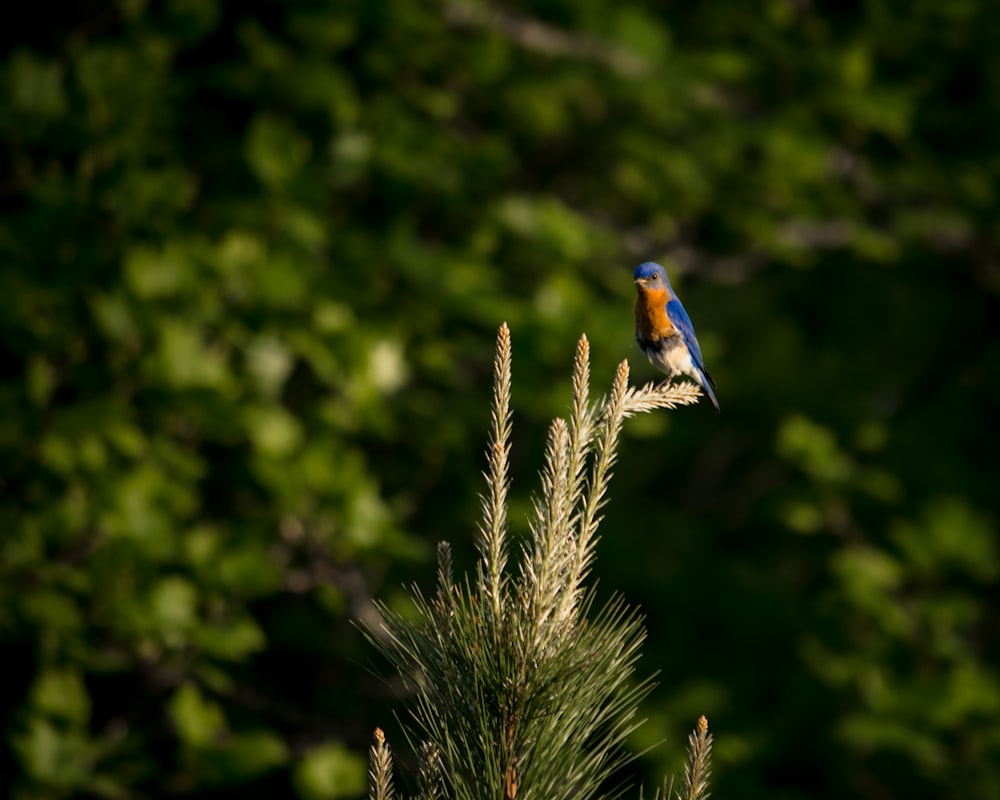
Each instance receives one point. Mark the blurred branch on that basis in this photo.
(533, 34)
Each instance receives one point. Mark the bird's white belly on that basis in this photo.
(672, 358)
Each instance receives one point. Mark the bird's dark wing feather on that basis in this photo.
(682, 322)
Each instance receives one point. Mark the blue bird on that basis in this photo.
(664, 331)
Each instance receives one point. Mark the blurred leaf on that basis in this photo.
(950, 535)
(199, 721)
(330, 771)
(36, 87)
(243, 756)
(52, 756)
(814, 449)
(274, 431)
(62, 695)
(173, 607)
(233, 640)
(275, 150)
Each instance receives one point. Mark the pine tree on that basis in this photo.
(520, 689)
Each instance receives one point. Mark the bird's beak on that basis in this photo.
(639, 281)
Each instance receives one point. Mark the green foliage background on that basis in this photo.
(252, 259)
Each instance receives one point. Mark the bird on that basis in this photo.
(664, 331)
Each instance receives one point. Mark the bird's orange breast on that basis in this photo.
(651, 320)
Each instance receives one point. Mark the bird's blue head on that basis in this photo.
(652, 276)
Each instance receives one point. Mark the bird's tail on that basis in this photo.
(706, 384)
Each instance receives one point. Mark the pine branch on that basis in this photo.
(582, 431)
(568, 460)
(519, 687)
(431, 773)
(544, 571)
(663, 395)
(699, 763)
(581, 423)
(613, 415)
(445, 600)
(493, 530)
(380, 769)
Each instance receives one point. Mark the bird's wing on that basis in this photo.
(679, 317)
